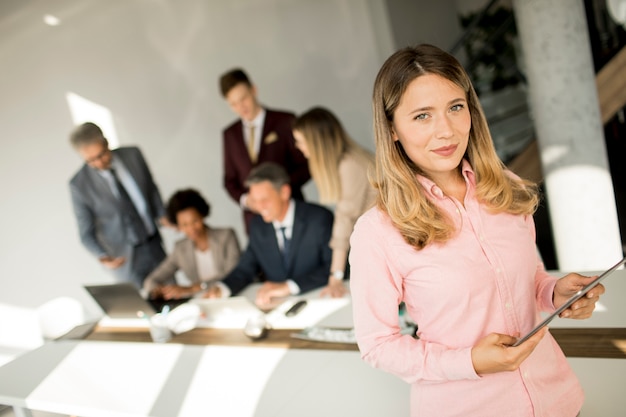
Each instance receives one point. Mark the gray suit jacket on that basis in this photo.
(98, 211)
(225, 251)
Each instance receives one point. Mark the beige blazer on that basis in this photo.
(225, 250)
(357, 195)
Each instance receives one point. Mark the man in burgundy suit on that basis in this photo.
(260, 135)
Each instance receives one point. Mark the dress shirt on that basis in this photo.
(131, 188)
(487, 278)
(207, 270)
(257, 122)
(287, 223)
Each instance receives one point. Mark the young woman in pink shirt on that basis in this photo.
(452, 236)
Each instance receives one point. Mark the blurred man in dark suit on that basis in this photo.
(288, 241)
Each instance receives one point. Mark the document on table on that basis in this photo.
(139, 323)
(226, 313)
(314, 311)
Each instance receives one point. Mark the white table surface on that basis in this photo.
(610, 310)
(119, 379)
(603, 380)
(112, 379)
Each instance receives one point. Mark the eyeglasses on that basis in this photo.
(101, 155)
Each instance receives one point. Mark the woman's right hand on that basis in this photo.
(334, 289)
(494, 352)
(156, 292)
(213, 292)
(112, 263)
(176, 292)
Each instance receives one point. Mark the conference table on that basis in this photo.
(89, 378)
(119, 371)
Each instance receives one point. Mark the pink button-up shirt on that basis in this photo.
(487, 278)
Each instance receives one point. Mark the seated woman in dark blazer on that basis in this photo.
(205, 255)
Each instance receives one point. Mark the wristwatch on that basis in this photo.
(204, 286)
(338, 275)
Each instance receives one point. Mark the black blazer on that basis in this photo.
(309, 253)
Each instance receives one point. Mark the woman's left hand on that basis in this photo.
(570, 285)
(175, 292)
(334, 289)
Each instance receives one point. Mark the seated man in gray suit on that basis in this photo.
(288, 241)
(116, 203)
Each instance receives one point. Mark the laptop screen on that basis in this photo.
(123, 300)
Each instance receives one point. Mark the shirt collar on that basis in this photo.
(258, 120)
(436, 192)
(289, 216)
(115, 164)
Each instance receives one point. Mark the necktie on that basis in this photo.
(131, 216)
(251, 147)
(286, 244)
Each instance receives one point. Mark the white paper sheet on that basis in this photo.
(315, 311)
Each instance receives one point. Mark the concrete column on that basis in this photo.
(564, 106)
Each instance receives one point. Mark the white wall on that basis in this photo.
(425, 21)
(155, 64)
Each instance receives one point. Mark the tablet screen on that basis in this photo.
(571, 301)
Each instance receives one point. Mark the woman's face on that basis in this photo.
(190, 222)
(301, 143)
(432, 122)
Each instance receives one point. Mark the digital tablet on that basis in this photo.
(571, 301)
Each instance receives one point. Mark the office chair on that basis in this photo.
(58, 316)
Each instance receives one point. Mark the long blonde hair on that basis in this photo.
(327, 143)
(400, 195)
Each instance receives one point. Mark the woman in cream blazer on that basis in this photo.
(205, 255)
(339, 168)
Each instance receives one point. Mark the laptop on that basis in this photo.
(123, 300)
